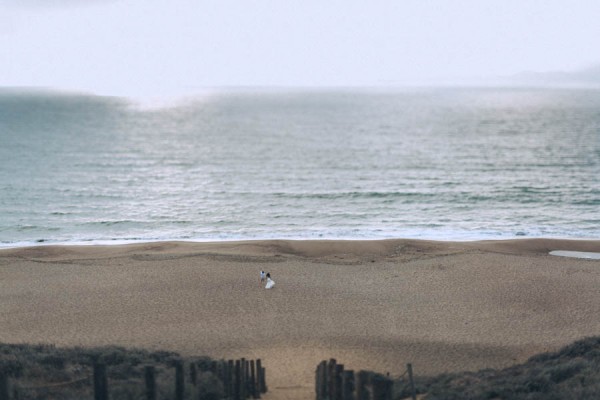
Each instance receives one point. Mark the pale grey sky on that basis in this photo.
(152, 47)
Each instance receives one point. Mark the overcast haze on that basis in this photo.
(129, 47)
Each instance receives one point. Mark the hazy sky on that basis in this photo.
(139, 47)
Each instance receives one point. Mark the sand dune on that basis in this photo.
(370, 304)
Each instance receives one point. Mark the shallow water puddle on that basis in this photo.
(576, 254)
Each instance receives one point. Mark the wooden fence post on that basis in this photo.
(100, 382)
(179, 383)
(3, 386)
(243, 378)
(413, 392)
(258, 377)
(224, 372)
(237, 380)
(331, 379)
(326, 378)
(221, 370)
(230, 380)
(262, 381)
(150, 382)
(244, 385)
(257, 380)
(362, 379)
(348, 385)
(252, 379)
(193, 373)
(321, 381)
(247, 386)
(382, 387)
(339, 371)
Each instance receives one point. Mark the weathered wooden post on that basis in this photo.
(252, 380)
(222, 369)
(244, 386)
(237, 380)
(179, 383)
(413, 392)
(339, 371)
(258, 378)
(321, 381)
(331, 379)
(362, 380)
(247, 387)
(325, 380)
(193, 373)
(264, 380)
(225, 367)
(3, 386)
(382, 387)
(243, 378)
(100, 382)
(221, 375)
(150, 382)
(348, 385)
(230, 379)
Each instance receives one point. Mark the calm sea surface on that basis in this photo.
(435, 164)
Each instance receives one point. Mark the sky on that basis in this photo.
(152, 47)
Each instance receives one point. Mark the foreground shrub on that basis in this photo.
(571, 373)
(44, 372)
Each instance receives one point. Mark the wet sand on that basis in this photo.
(443, 306)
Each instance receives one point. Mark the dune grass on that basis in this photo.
(570, 373)
(46, 371)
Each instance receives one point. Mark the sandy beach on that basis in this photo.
(443, 306)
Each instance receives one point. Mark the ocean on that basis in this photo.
(442, 164)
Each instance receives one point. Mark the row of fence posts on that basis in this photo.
(332, 382)
(241, 379)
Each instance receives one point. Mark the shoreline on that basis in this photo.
(127, 242)
(371, 304)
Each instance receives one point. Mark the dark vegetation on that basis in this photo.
(48, 372)
(571, 373)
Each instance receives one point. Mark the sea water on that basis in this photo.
(447, 164)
